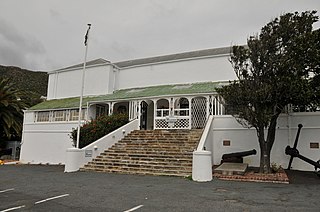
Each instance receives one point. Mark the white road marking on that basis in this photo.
(15, 208)
(51, 198)
(10, 189)
(133, 209)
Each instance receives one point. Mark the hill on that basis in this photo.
(26, 80)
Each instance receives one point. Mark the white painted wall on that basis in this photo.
(96, 148)
(242, 139)
(186, 71)
(45, 142)
(100, 80)
(64, 84)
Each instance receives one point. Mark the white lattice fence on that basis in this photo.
(179, 123)
(161, 124)
(198, 112)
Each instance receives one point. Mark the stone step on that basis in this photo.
(151, 155)
(142, 171)
(159, 140)
(153, 144)
(187, 161)
(157, 159)
(177, 173)
(149, 152)
(138, 165)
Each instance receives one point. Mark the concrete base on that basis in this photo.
(232, 168)
(201, 166)
(74, 158)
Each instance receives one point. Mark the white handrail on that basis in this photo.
(205, 133)
(77, 158)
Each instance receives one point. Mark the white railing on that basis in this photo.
(181, 112)
(179, 120)
(162, 112)
(202, 159)
(205, 142)
(77, 158)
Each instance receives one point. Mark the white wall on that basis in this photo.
(104, 79)
(64, 84)
(186, 71)
(242, 139)
(45, 142)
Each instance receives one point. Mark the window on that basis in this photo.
(59, 115)
(43, 116)
(74, 114)
(101, 110)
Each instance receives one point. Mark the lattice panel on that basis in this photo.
(161, 124)
(198, 112)
(178, 124)
(181, 124)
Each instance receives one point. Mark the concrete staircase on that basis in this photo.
(150, 152)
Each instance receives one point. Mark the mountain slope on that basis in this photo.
(25, 80)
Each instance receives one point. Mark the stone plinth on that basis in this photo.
(232, 168)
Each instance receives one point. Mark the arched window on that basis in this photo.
(181, 107)
(162, 108)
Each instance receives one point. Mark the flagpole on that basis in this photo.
(82, 84)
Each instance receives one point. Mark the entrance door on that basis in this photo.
(144, 116)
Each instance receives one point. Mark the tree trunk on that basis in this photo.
(266, 145)
(264, 154)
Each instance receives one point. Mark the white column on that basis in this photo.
(154, 113)
(139, 113)
(190, 120)
(207, 107)
(130, 110)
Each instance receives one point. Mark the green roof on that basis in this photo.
(133, 93)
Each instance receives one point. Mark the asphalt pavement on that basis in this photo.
(48, 188)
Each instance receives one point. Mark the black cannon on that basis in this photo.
(237, 157)
(293, 152)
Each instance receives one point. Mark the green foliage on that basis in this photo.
(24, 90)
(95, 129)
(278, 67)
(11, 110)
(275, 168)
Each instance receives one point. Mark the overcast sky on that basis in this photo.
(49, 34)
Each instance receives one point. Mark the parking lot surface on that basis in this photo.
(48, 188)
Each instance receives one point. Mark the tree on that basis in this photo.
(11, 110)
(278, 67)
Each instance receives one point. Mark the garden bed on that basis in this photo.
(251, 175)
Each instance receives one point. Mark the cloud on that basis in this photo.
(18, 48)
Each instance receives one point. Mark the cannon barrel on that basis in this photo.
(239, 154)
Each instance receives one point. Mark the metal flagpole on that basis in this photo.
(82, 84)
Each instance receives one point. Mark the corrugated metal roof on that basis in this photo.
(171, 57)
(157, 59)
(134, 93)
(99, 61)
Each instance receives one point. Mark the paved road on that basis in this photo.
(48, 188)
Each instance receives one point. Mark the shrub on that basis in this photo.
(97, 128)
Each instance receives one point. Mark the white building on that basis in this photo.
(166, 92)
